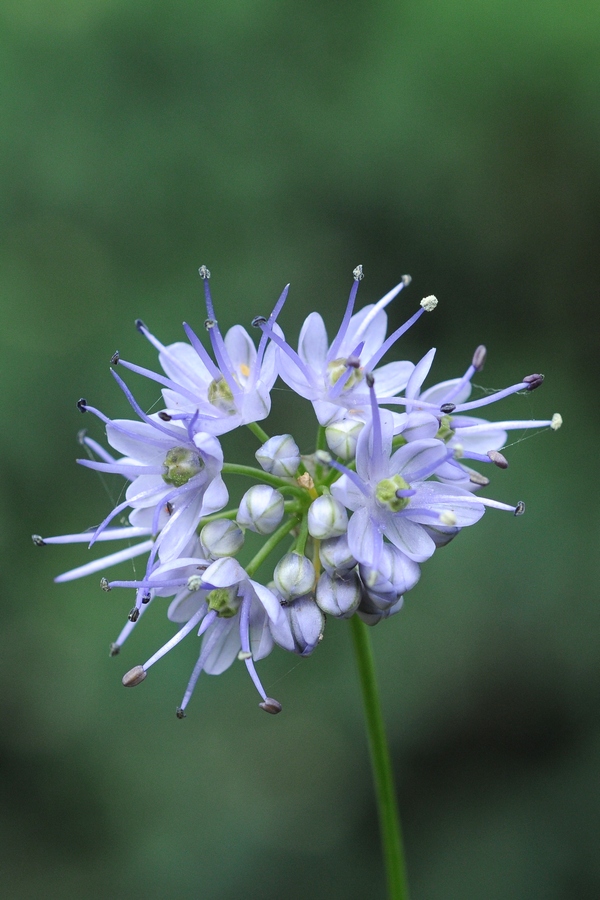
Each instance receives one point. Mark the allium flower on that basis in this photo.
(331, 376)
(232, 612)
(389, 494)
(215, 397)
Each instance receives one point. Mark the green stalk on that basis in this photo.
(269, 545)
(257, 431)
(389, 819)
(280, 483)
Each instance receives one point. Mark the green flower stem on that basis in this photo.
(321, 445)
(389, 820)
(226, 514)
(269, 545)
(280, 483)
(256, 430)
(302, 537)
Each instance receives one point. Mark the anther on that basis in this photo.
(479, 358)
(556, 422)
(323, 457)
(447, 408)
(533, 381)
(429, 303)
(448, 518)
(358, 273)
(498, 459)
(179, 713)
(370, 379)
(353, 362)
(271, 706)
(140, 325)
(257, 321)
(134, 614)
(203, 273)
(105, 585)
(244, 654)
(115, 358)
(114, 649)
(82, 404)
(146, 598)
(134, 676)
(406, 280)
(169, 507)
(209, 324)
(479, 480)
(519, 508)
(165, 417)
(38, 540)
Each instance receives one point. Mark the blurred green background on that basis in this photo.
(274, 142)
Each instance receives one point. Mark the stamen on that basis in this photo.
(337, 341)
(38, 540)
(104, 562)
(392, 339)
(271, 706)
(262, 344)
(105, 585)
(134, 614)
(114, 649)
(134, 677)
(204, 653)
(142, 496)
(533, 381)
(82, 405)
(179, 636)
(116, 468)
(519, 508)
(381, 304)
(138, 409)
(479, 358)
(296, 359)
(115, 358)
(447, 408)
(162, 379)
(94, 446)
(498, 459)
(429, 303)
(556, 422)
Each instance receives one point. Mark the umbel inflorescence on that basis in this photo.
(345, 528)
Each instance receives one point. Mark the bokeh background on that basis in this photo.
(277, 141)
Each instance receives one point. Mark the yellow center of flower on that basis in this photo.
(385, 493)
(181, 464)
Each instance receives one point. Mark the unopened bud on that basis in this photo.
(222, 537)
(279, 455)
(294, 575)
(337, 595)
(429, 303)
(498, 459)
(271, 706)
(327, 518)
(134, 677)
(261, 509)
(335, 555)
(479, 358)
(342, 437)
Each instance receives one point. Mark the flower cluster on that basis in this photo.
(345, 527)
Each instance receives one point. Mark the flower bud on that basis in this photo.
(338, 596)
(395, 574)
(294, 575)
(261, 509)
(372, 614)
(327, 518)
(221, 538)
(301, 627)
(335, 555)
(342, 437)
(279, 456)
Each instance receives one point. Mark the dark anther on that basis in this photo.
(519, 508)
(203, 273)
(165, 416)
(271, 706)
(209, 324)
(146, 598)
(479, 358)
(447, 408)
(169, 507)
(115, 358)
(179, 713)
(38, 540)
(353, 362)
(134, 614)
(284, 602)
(498, 459)
(370, 379)
(114, 649)
(257, 321)
(140, 325)
(82, 405)
(134, 677)
(358, 273)
(476, 478)
(105, 585)
(533, 381)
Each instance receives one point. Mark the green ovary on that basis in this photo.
(224, 602)
(445, 431)
(385, 493)
(181, 465)
(221, 396)
(338, 367)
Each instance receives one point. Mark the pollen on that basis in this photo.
(244, 369)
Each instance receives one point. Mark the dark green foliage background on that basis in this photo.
(278, 141)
